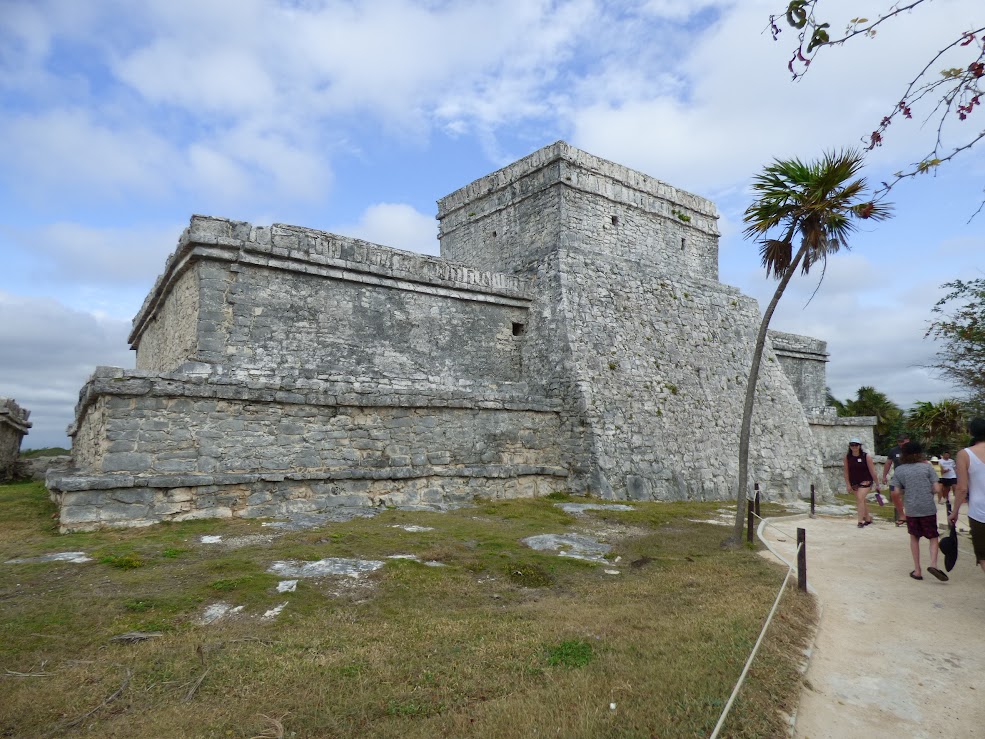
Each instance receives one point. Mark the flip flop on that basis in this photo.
(866, 523)
(915, 576)
(938, 574)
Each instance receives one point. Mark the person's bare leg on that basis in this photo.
(915, 551)
(860, 505)
(935, 546)
(897, 497)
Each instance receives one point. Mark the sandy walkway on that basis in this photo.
(894, 657)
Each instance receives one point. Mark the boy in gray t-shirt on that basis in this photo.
(918, 481)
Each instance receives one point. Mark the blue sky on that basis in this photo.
(119, 120)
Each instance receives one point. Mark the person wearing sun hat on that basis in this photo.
(860, 479)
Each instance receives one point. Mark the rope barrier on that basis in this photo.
(752, 656)
(766, 521)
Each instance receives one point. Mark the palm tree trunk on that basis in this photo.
(744, 433)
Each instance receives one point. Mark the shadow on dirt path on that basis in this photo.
(894, 657)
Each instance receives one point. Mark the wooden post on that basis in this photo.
(802, 559)
(757, 500)
(813, 500)
(749, 521)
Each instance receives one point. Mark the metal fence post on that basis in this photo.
(802, 559)
(757, 500)
(749, 521)
(813, 500)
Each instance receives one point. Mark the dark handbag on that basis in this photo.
(949, 546)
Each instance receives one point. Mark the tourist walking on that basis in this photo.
(971, 486)
(860, 478)
(949, 478)
(917, 481)
(893, 459)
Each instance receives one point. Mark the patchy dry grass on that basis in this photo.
(468, 649)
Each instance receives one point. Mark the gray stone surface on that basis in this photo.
(325, 567)
(577, 546)
(574, 337)
(13, 428)
(76, 557)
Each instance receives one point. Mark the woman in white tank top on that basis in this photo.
(971, 486)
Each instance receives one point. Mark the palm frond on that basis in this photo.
(817, 204)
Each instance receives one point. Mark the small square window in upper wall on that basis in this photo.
(615, 220)
(519, 328)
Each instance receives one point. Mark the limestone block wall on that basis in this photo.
(287, 303)
(174, 446)
(170, 336)
(561, 197)
(831, 434)
(803, 359)
(13, 428)
(663, 364)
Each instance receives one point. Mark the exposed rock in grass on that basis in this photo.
(570, 545)
(218, 611)
(273, 612)
(76, 557)
(577, 508)
(323, 567)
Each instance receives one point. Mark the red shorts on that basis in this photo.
(925, 526)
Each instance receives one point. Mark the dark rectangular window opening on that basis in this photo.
(519, 328)
(682, 243)
(615, 220)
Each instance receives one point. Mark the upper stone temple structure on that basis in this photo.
(13, 428)
(573, 336)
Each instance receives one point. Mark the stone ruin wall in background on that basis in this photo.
(13, 428)
(574, 336)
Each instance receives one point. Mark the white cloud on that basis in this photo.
(49, 351)
(87, 255)
(876, 342)
(396, 225)
(68, 150)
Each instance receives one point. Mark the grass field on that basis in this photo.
(501, 641)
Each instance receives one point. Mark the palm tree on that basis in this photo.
(870, 402)
(817, 204)
(940, 425)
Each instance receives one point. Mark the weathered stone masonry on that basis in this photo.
(588, 347)
(13, 428)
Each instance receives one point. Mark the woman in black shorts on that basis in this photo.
(860, 479)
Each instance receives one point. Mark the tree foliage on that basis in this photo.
(814, 205)
(889, 417)
(939, 426)
(960, 325)
(947, 87)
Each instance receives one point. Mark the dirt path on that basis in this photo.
(894, 657)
